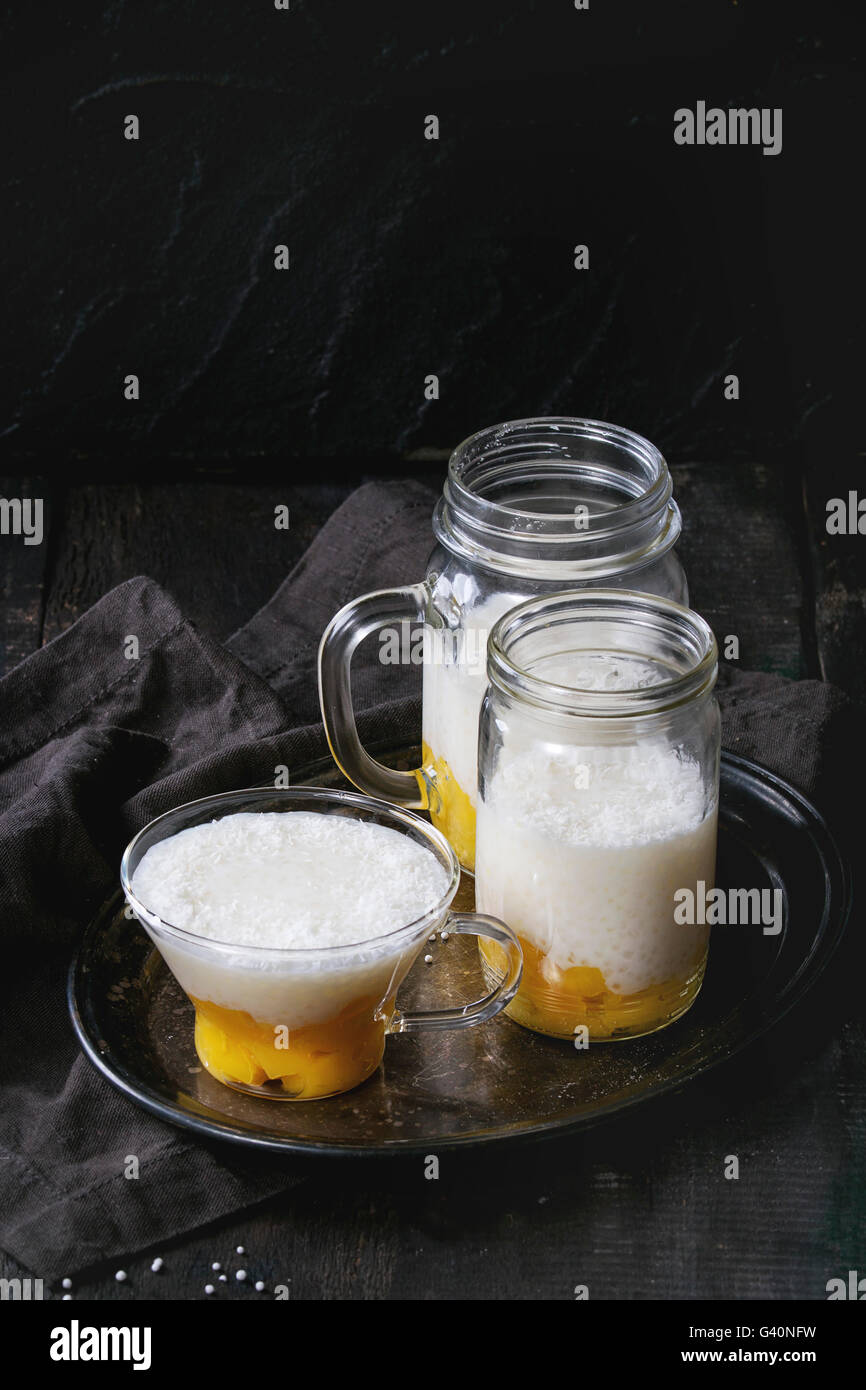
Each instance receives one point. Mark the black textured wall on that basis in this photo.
(409, 256)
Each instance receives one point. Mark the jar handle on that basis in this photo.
(354, 622)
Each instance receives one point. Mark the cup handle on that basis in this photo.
(346, 629)
(471, 924)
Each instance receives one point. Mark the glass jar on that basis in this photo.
(529, 507)
(598, 808)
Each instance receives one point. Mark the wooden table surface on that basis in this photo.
(639, 1208)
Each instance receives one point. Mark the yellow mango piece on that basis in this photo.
(224, 1057)
(558, 1002)
(316, 1060)
(451, 811)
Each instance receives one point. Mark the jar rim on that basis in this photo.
(618, 606)
(639, 523)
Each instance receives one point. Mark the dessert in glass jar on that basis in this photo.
(598, 807)
(529, 508)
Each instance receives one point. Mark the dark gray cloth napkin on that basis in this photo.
(93, 744)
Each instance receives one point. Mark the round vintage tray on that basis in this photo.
(499, 1081)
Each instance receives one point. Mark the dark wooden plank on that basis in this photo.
(214, 546)
(23, 571)
(741, 553)
(838, 572)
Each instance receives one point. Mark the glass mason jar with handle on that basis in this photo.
(528, 508)
(597, 808)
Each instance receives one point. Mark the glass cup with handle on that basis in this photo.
(302, 1024)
